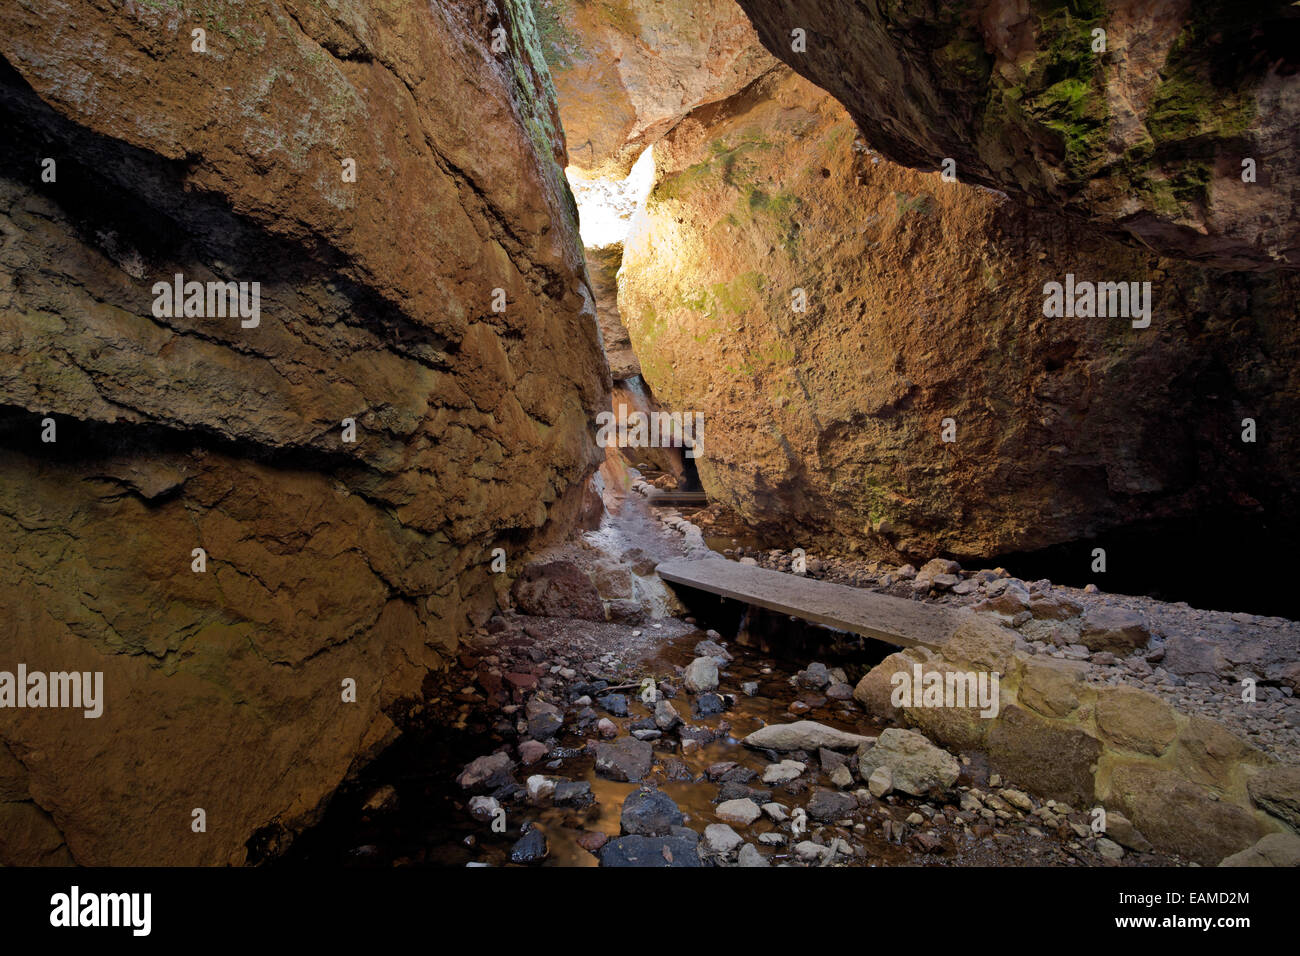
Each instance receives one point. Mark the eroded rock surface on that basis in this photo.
(626, 71)
(326, 561)
(832, 313)
(1147, 134)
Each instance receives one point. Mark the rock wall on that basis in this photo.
(832, 313)
(626, 71)
(602, 267)
(437, 301)
(1143, 127)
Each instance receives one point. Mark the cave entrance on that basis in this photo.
(1213, 563)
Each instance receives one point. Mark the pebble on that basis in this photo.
(783, 772)
(483, 808)
(539, 787)
(1018, 799)
(721, 839)
(744, 811)
(530, 848)
(749, 856)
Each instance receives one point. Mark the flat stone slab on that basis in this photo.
(893, 620)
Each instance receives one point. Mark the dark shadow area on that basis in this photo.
(1220, 563)
(782, 636)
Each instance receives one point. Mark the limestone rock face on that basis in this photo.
(1181, 817)
(832, 313)
(1060, 759)
(1148, 134)
(1276, 849)
(626, 71)
(325, 562)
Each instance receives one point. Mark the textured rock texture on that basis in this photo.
(1188, 784)
(326, 560)
(626, 71)
(924, 302)
(1148, 136)
(602, 267)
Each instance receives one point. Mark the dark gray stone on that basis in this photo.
(706, 705)
(635, 850)
(545, 725)
(575, 793)
(615, 704)
(627, 759)
(829, 805)
(530, 848)
(649, 813)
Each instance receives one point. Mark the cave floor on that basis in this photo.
(407, 808)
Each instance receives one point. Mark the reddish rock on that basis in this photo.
(557, 589)
(531, 751)
(592, 840)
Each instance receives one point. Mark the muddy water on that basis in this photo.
(405, 808)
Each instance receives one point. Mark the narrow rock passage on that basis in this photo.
(581, 789)
(546, 726)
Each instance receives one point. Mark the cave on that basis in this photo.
(543, 433)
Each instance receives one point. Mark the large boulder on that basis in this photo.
(1133, 719)
(1052, 687)
(832, 311)
(1277, 790)
(347, 458)
(918, 767)
(1144, 126)
(626, 73)
(1211, 755)
(875, 691)
(1060, 759)
(557, 589)
(1276, 849)
(964, 727)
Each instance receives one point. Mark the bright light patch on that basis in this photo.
(606, 206)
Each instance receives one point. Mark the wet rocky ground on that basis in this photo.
(658, 741)
(548, 729)
(1240, 669)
